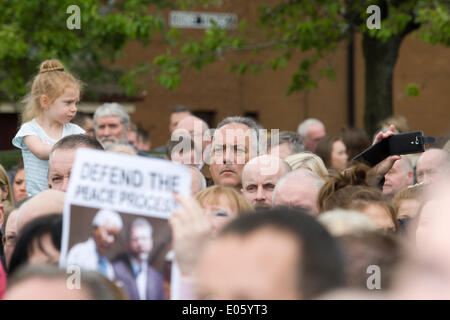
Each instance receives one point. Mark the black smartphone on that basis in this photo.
(398, 144)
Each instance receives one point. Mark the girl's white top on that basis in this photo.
(36, 170)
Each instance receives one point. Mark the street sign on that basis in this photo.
(202, 20)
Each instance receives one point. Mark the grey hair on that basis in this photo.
(112, 109)
(201, 180)
(292, 175)
(252, 124)
(140, 222)
(107, 215)
(303, 127)
(292, 138)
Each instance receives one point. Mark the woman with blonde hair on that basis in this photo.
(222, 204)
(6, 199)
(307, 160)
(197, 221)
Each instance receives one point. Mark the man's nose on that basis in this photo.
(65, 184)
(229, 156)
(260, 194)
(106, 131)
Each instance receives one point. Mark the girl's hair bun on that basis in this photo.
(51, 65)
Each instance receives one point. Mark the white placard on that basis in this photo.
(131, 187)
(202, 20)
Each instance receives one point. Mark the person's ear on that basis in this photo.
(44, 101)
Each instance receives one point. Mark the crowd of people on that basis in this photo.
(271, 214)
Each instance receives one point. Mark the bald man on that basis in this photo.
(398, 177)
(431, 165)
(42, 204)
(259, 177)
(299, 189)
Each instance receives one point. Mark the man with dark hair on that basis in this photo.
(62, 157)
(140, 280)
(144, 143)
(284, 144)
(177, 114)
(273, 254)
(132, 135)
(235, 142)
(370, 248)
(86, 122)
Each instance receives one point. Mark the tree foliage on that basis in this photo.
(32, 31)
(315, 27)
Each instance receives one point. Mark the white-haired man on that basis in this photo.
(312, 131)
(398, 177)
(111, 123)
(298, 189)
(91, 254)
(432, 165)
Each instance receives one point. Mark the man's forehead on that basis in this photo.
(265, 171)
(140, 231)
(179, 115)
(108, 119)
(233, 133)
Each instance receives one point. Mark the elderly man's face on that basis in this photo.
(60, 166)
(230, 153)
(430, 166)
(105, 237)
(262, 265)
(141, 242)
(314, 134)
(397, 178)
(258, 186)
(298, 195)
(281, 150)
(110, 129)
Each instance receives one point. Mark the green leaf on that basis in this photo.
(412, 90)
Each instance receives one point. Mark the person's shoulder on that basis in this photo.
(30, 128)
(72, 128)
(120, 259)
(154, 273)
(80, 247)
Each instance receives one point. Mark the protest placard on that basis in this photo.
(115, 218)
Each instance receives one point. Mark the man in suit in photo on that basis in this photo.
(132, 270)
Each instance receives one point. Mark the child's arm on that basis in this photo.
(36, 146)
